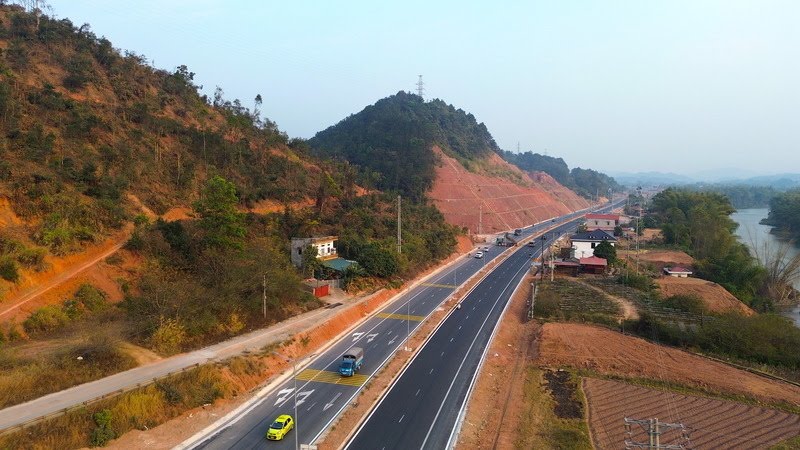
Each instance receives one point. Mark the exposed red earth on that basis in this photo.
(467, 198)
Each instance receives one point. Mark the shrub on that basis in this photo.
(9, 270)
(636, 281)
(169, 337)
(32, 257)
(104, 432)
(688, 303)
(47, 318)
(90, 297)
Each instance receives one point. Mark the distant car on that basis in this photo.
(531, 244)
(486, 248)
(553, 220)
(479, 255)
(517, 232)
(280, 427)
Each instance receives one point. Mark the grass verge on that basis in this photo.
(143, 408)
(540, 427)
(23, 379)
(789, 444)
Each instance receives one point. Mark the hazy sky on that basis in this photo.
(682, 86)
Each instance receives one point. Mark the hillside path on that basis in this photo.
(107, 249)
(628, 308)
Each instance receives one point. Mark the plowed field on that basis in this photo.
(715, 424)
(612, 353)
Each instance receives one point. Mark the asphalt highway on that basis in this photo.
(421, 407)
(321, 392)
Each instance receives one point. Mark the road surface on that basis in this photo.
(322, 394)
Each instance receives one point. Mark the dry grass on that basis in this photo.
(139, 409)
(23, 379)
(540, 428)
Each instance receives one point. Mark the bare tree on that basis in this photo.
(782, 269)
(37, 7)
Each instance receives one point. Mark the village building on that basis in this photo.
(583, 244)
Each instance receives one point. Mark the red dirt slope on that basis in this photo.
(460, 195)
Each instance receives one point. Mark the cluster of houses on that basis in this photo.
(578, 258)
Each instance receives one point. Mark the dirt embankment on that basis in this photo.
(664, 258)
(716, 298)
(467, 198)
(612, 353)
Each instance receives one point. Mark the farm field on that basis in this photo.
(714, 423)
(611, 353)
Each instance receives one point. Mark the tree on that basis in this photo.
(310, 262)
(606, 251)
(218, 215)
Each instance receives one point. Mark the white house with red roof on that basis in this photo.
(605, 222)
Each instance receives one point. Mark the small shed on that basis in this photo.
(677, 272)
(318, 288)
(593, 264)
(566, 266)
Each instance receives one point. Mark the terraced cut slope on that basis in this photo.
(715, 424)
(461, 195)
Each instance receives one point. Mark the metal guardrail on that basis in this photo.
(84, 404)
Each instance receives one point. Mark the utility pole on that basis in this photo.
(399, 226)
(480, 220)
(654, 430)
(264, 297)
(552, 261)
(541, 277)
(420, 87)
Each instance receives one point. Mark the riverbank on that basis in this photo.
(756, 235)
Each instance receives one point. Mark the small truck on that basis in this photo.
(351, 361)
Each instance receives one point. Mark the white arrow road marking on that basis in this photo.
(283, 395)
(330, 403)
(302, 396)
(393, 339)
(371, 337)
(357, 336)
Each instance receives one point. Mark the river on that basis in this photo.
(752, 233)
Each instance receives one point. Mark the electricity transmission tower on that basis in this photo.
(654, 430)
(420, 87)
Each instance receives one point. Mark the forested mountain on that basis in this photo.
(391, 141)
(95, 141)
(740, 195)
(586, 182)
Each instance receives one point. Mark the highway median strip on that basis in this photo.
(324, 376)
(400, 317)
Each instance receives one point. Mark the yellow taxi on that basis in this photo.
(280, 427)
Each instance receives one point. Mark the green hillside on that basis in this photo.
(587, 183)
(391, 141)
(89, 133)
